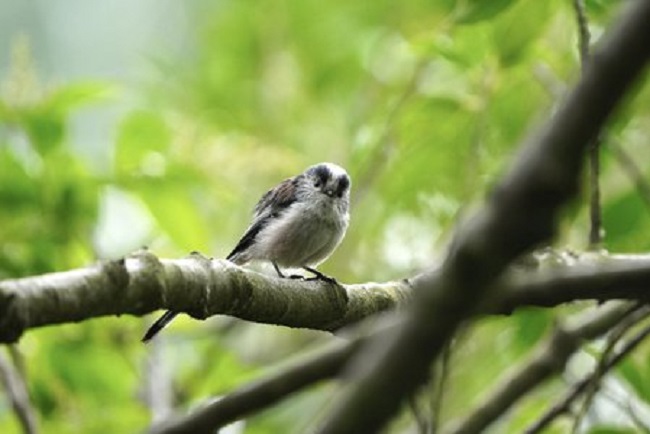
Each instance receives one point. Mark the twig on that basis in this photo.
(584, 36)
(548, 359)
(443, 373)
(420, 419)
(626, 407)
(564, 404)
(632, 169)
(615, 336)
(595, 212)
(17, 391)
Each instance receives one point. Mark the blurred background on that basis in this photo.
(161, 123)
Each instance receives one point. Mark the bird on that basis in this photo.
(296, 224)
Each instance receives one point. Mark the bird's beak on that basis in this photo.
(329, 192)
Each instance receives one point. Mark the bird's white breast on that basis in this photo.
(303, 235)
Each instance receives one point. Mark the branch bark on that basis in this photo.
(201, 287)
(143, 283)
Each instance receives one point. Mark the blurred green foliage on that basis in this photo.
(423, 102)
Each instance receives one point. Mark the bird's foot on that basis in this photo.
(320, 276)
(297, 277)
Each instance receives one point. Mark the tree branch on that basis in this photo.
(631, 168)
(563, 405)
(550, 358)
(204, 287)
(201, 287)
(323, 363)
(616, 334)
(516, 289)
(520, 215)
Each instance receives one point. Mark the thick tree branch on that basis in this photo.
(86, 293)
(520, 215)
(143, 283)
(204, 288)
(592, 277)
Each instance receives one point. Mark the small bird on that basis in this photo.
(298, 223)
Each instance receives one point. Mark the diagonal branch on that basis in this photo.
(612, 340)
(563, 405)
(520, 215)
(321, 364)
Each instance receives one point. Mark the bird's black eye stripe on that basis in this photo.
(344, 184)
(322, 174)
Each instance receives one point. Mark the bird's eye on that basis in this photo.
(317, 184)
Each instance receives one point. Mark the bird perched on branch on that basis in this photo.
(296, 224)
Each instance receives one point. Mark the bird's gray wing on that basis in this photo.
(277, 198)
(271, 204)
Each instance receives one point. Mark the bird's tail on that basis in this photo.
(161, 322)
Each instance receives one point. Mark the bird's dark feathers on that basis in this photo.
(279, 197)
(344, 184)
(269, 206)
(159, 325)
(322, 173)
(249, 237)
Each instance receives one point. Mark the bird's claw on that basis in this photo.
(323, 278)
(320, 276)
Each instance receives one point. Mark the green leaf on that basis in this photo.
(474, 11)
(142, 135)
(531, 324)
(176, 213)
(626, 223)
(435, 144)
(76, 94)
(45, 129)
(612, 430)
(637, 376)
(515, 30)
(17, 189)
